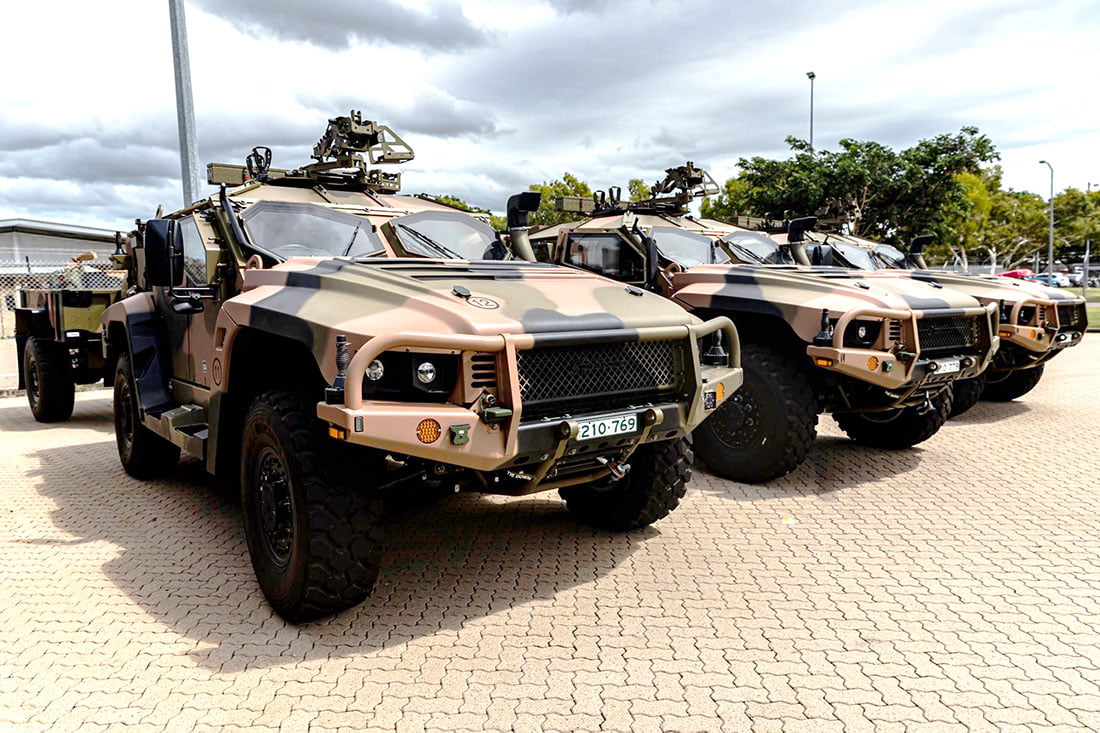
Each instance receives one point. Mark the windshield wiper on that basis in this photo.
(431, 244)
(746, 252)
(347, 250)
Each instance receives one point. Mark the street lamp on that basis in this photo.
(811, 76)
(1050, 240)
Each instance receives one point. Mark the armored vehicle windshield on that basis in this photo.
(685, 248)
(756, 247)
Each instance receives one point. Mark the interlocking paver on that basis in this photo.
(950, 587)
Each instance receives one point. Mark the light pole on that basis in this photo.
(185, 105)
(811, 76)
(1050, 240)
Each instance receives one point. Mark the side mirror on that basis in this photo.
(163, 243)
(797, 227)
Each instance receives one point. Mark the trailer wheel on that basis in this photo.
(49, 379)
(657, 480)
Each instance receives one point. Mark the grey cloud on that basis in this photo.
(339, 24)
(569, 7)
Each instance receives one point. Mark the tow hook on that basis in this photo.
(927, 407)
(618, 470)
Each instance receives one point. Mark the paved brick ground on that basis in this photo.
(956, 586)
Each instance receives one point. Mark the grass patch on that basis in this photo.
(1094, 317)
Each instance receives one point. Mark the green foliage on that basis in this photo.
(568, 185)
(731, 202)
(880, 193)
(637, 189)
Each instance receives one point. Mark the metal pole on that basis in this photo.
(811, 75)
(1050, 241)
(1085, 277)
(185, 106)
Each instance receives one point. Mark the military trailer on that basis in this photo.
(323, 341)
(1037, 322)
(879, 357)
(58, 335)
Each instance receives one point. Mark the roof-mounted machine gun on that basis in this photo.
(671, 195)
(338, 155)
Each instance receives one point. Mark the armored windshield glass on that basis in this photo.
(447, 235)
(756, 247)
(288, 230)
(854, 255)
(607, 254)
(892, 257)
(686, 249)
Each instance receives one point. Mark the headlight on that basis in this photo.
(426, 372)
(412, 377)
(1027, 315)
(862, 334)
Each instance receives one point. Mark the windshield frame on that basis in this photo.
(889, 264)
(847, 249)
(400, 227)
(360, 225)
(711, 246)
(783, 255)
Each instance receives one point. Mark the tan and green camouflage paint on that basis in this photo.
(312, 300)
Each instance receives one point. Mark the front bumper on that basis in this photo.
(883, 368)
(468, 440)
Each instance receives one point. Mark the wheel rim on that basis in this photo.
(740, 425)
(274, 507)
(33, 382)
(125, 414)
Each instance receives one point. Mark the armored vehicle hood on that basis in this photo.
(304, 297)
(834, 289)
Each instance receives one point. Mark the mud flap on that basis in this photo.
(149, 360)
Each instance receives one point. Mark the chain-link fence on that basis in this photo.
(30, 274)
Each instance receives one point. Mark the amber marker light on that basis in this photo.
(721, 391)
(821, 361)
(428, 430)
(338, 433)
(872, 363)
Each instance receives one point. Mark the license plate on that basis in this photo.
(950, 367)
(606, 426)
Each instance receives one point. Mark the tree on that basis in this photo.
(637, 189)
(730, 203)
(568, 185)
(878, 192)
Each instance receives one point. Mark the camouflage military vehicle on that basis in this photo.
(58, 336)
(1036, 322)
(879, 357)
(324, 340)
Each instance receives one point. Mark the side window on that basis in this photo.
(605, 254)
(194, 253)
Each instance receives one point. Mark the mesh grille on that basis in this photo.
(1071, 318)
(947, 334)
(559, 380)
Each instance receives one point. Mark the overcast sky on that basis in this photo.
(496, 94)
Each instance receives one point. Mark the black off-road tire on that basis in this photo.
(314, 531)
(49, 380)
(965, 393)
(657, 480)
(143, 453)
(764, 430)
(1006, 386)
(899, 428)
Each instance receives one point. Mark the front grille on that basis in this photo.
(946, 335)
(1071, 317)
(582, 379)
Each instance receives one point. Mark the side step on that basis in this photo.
(184, 426)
